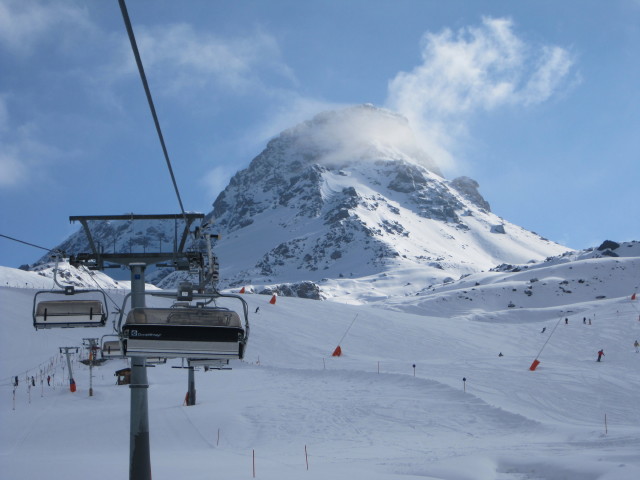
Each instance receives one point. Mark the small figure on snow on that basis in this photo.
(543, 329)
(49, 380)
(257, 308)
(15, 381)
(600, 355)
(584, 320)
(500, 354)
(33, 381)
(566, 321)
(637, 345)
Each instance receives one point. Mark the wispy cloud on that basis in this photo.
(216, 179)
(24, 158)
(477, 68)
(12, 170)
(26, 24)
(183, 57)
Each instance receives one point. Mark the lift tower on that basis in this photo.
(137, 262)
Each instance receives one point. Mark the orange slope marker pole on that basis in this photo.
(338, 351)
(536, 362)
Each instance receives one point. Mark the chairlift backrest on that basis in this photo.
(212, 317)
(112, 349)
(68, 313)
(184, 332)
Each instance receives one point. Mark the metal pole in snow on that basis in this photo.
(139, 452)
(345, 333)
(550, 335)
(191, 398)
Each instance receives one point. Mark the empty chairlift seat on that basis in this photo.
(69, 313)
(111, 349)
(184, 332)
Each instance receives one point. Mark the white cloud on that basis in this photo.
(194, 58)
(216, 179)
(478, 68)
(26, 23)
(13, 172)
(23, 157)
(291, 110)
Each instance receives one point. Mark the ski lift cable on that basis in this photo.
(143, 77)
(117, 309)
(55, 251)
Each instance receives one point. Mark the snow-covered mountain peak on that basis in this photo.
(358, 133)
(347, 194)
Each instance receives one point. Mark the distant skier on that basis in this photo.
(33, 381)
(49, 380)
(566, 321)
(15, 381)
(584, 320)
(257, 308)
(500, 354)
(637, 345)
(543, 329)
(600, 355)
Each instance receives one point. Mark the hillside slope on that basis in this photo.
(413, 396)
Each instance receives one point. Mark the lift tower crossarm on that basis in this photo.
(126, 258)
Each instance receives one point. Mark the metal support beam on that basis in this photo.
(191, 395)
(139, 451)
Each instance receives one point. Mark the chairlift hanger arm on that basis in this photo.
(92, 244)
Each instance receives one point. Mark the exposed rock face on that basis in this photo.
(469, 190)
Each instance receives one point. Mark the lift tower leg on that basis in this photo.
(139, 452)
(191, 396)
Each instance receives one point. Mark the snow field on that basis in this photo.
(504, 422)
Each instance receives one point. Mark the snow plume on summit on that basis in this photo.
(348, 198)
(359, 132)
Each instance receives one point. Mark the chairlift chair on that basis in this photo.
(206, 333)
(85, 311)
(111, 348)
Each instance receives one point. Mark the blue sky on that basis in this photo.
(538, 101)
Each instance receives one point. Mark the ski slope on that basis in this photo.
(367, 414)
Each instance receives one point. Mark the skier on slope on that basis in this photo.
(637, 345)
(600, 355)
